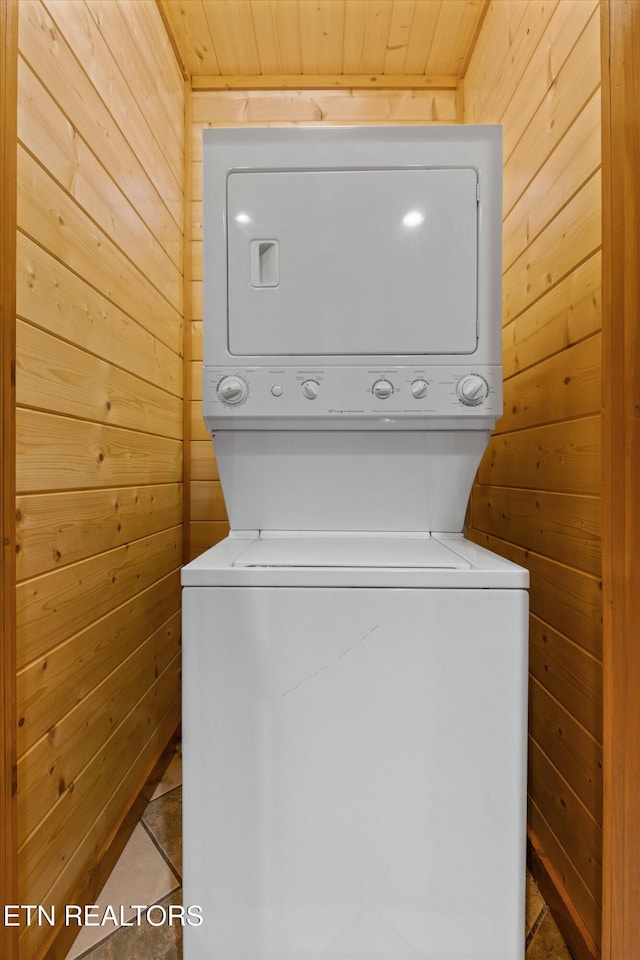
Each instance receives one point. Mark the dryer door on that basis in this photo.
(352, 262)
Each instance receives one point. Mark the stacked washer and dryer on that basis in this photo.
(354, 678)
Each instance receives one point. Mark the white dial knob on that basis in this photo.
(382, 389)
(419, 389)
(472, 389)
(310, 389)
(233, 390)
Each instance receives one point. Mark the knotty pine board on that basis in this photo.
(59, 679)
(88, 522)
(568, 746)
(56, 762)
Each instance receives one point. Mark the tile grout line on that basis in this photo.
(535, 925)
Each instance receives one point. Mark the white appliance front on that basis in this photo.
(354, 776)
(301, 242)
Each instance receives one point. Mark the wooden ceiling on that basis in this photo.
(279, 43)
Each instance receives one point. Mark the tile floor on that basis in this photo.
(149, 871)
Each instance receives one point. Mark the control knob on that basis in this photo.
(233, 390)
(310, 389)
(382, 389)
(472, 389)
(419, 388)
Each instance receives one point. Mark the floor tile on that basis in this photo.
(535, 903)
(141, 876)
(547, 943)
(144, 942)
(172, 777)
(163, 819)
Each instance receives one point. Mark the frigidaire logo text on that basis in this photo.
(350, 410)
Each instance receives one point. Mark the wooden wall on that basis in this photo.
(536, 70)
(264, 108)
(99, 458)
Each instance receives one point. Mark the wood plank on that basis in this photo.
(53, 607)
(364, 41)
(54, 298)
(564, 386)
(197, 311)
(575, 934)
(8, 181)
(153, 83)
(54, 683)
(199, 429)
(572, 163)
(88, 522)
(154, 43)
(277, 33)
(621, 491)
(321, 31)
(203, 461)
(196, 220)
(207, 501)
(186, 332)
(568, 746)
(232, 31)
(191, 36)
(454, 34)
(330, 82)
(567, 313)
(569, 19)
(420, 41)
(51, 58)
(50, 770)
(572, 676)
(55, 376)
(47, 850)
(572, 888)
(499, 31)
(577, 80)
(48, 135)
(50, 217)
(568, 599)
(196, 381)
(572, 236)
(205, 535)
(56, 453)
(398, 35)
(235, 108)
(38, 941)
(78, 28)
(197, 341)
(563, 457)
(560, 526)
(572, 824)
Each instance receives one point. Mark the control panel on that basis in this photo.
(334, 392)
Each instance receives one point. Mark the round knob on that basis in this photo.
(310, 389)
(419, 389)
(233, 390)
(472, 389)
(382, 389)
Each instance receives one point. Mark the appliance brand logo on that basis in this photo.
(346, 410)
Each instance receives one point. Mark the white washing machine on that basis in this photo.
(354, 676)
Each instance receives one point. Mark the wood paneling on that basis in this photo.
(100, 415)
(8, 178)
(621, 493)
(272, 38)
(536, 70)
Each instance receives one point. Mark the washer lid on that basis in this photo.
(350, 551)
